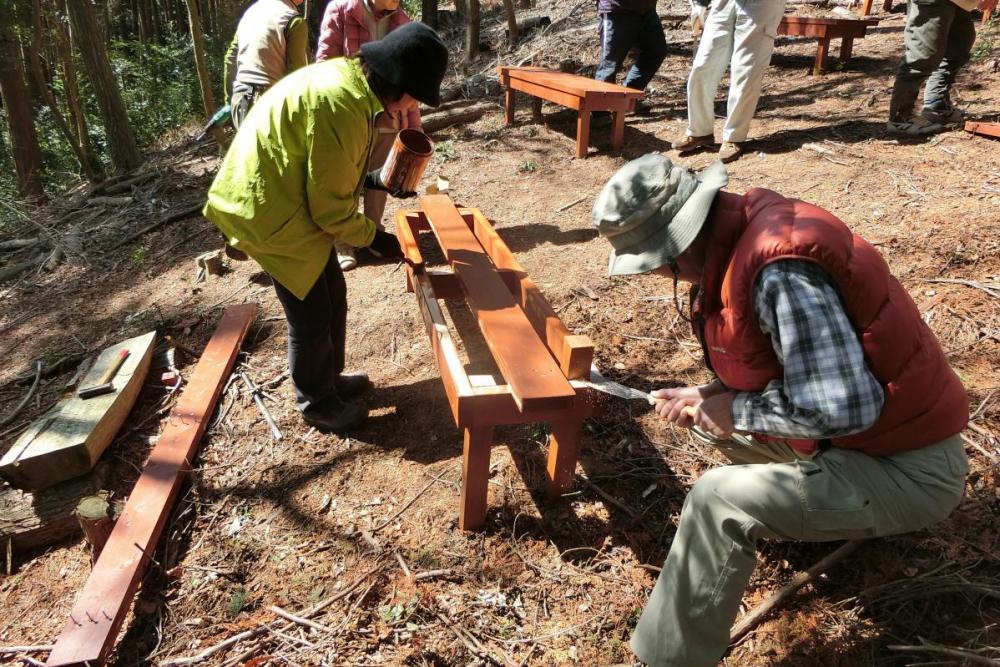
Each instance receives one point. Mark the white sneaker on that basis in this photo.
(952, 116)
(914, 128)
(346, 258)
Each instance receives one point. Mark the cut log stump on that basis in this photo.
(94, 515)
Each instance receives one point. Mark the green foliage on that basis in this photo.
(139, 255)
(237, 601)
(444, 151)
(412, 8)
(984, 45)
(527, 167)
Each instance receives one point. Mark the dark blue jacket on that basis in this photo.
(625, 6)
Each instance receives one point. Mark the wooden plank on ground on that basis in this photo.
(534, 378)
(89, 633)
(68, 440)
(985, 129)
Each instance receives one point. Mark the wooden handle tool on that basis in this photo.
(104, 384)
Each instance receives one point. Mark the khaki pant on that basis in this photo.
(774, 492)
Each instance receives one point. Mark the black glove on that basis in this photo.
(373, 181)
(386, 245)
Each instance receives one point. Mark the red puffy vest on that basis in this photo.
(925, 401)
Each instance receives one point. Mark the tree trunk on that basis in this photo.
(23, 140)
(74, 105)
(429, 12)
(90, 41)
(472, 31)
(198, 43)
(37, 39)
(508, 6)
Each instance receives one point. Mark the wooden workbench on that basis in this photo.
(846, 30)
(535, 353)
(572, 91)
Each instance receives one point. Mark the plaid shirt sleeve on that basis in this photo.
(827, 389)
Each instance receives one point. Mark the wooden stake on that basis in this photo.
(753, 619)
(94, 515)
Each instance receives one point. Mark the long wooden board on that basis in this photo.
(985, 129)
(532, 374)
(89, 633)
(67, 441)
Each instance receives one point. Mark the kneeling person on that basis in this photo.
(833, 398)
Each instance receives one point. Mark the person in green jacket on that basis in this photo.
(288, 188)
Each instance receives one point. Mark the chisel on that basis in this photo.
(105, 384)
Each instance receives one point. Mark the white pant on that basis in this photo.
(740, 34)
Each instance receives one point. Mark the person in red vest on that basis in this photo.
(832, 397)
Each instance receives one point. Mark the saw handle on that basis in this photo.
(113, 368)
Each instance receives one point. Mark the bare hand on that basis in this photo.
(677, 405)
(714, 415)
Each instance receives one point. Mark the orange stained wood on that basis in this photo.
(570, 83)
(574, 353)
(985, 129)
(535, 380)
(92, 627)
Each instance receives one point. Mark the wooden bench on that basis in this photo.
(573, 91)
(847, 30)
(534, 351)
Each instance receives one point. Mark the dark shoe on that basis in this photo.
(689, 143)
(235, 254)
(352, 385)
(336, 416)
(641, 109)
(730, 151)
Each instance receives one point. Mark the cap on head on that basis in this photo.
(412, 58)
(651, 210)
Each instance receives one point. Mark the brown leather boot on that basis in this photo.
(689, 143)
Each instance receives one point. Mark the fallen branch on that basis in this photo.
(439, 121)
(407, 505)
(475, 646)
(950, 651)
(15, 270)
(431, 574)
(751, 620)
(48, 371)
(608, 497)
(19, 244)
(27, 397)
(173, 217)
(989, 289)
(109, 201)
(8, 650)
(299, 620)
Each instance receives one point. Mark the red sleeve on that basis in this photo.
(331, 33)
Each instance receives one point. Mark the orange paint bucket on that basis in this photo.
(408, 159)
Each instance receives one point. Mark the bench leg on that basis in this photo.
(536, 109)
(866, 8)
(822, 49)
(887, 6)
(582, 132)
(508, 98)
(618, 131)
(475, 477)
(564, 447)
(846, 47)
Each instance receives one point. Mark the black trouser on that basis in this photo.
(317, 335)
(619, 33)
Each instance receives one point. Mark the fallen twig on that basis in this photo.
(27, 397)
(431, 574)
(950, 651)
(475, 646)
(173, 217)
(989, 289)
(751, 620)
(41, 648)
(408, 504)
(633, 514)
(570, 205)
(299, 620)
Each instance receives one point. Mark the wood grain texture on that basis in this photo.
(92, 627)
(522, 358)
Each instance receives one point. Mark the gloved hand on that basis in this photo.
(699, 13)
(373, 181)
(386, 245)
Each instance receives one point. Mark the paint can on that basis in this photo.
(408, 159)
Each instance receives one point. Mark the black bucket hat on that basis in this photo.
(412, 58)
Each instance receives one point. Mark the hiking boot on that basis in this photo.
(917, 127)
(690, 143)
(351, 385)
(335, 415)
(952, 116)
(346, 259)
(730, 151)
(641, 109)
(236, 254)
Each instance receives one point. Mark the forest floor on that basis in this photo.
(288, 523)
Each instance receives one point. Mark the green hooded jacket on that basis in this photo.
(289, 184)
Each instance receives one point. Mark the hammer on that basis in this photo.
(105, 385)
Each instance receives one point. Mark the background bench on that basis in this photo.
(572, 91)
(847, 30)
